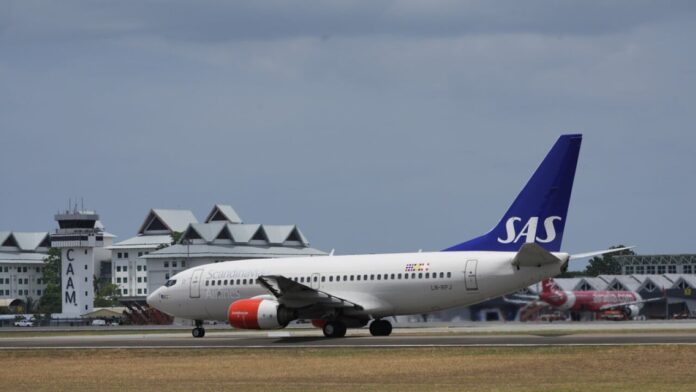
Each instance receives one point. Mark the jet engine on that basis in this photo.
(255, 313)
(631, 311)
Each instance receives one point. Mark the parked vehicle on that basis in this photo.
(24, 323)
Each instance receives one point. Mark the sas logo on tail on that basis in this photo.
(529, 230)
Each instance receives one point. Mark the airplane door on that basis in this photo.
(315, 280)
(196, 283)
(470, 275)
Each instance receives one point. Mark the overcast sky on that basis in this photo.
(376, 126)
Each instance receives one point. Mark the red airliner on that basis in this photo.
(606, 303)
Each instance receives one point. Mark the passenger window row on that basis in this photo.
(230, 282)
(339, 278)
(352, 278)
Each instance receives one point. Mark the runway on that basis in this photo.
(358, 339)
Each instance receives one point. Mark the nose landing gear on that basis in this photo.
(199, 331)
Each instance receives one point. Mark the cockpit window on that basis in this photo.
(170, 283)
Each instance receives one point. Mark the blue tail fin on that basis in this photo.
(539, 212)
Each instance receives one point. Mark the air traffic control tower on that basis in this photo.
(77, 236)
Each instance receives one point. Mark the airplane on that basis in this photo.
(340, 292)
(605, 303)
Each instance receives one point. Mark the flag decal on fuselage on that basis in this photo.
(418, 267)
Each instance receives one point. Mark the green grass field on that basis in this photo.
(634, 368)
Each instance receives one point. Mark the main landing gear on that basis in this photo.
(199, 331)
(337, 329)
(334, 329)
(380, 328)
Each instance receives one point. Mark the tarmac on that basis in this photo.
(462, 335)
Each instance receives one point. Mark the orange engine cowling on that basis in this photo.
(256, 314)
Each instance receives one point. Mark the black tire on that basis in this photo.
(387, 328)
(334, 329)
(380, 328)
(198, 332)
(374, 328)
(342, 329)
(329, 329)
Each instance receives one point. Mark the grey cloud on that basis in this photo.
(214, 21)
(412, 126)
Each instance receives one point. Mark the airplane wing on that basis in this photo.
(516, 301)
(535, 302)
(624, 304)
(297, 295)
(524, 296)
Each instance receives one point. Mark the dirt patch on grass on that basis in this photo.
(648, 368)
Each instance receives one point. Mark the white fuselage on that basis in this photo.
(382, 284)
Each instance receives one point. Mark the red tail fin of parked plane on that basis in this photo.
(547, 285)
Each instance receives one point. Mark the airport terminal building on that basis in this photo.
(657, 264)
(21, 265)
(143, 263)
(129, 270)
(137, 265)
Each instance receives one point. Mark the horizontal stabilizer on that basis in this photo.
(624, 304)
(533, 255)
(598, 253)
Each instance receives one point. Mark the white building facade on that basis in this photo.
(129, 270)
(140, 264)
(657, 264)
(143, 263)
(21, 264)
(216, 241)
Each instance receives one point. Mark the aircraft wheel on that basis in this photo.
(198, 332)
(341, 330)
(387, 328)
(380, 328)
(334, 329)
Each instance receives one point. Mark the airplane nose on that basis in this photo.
(153, 299)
